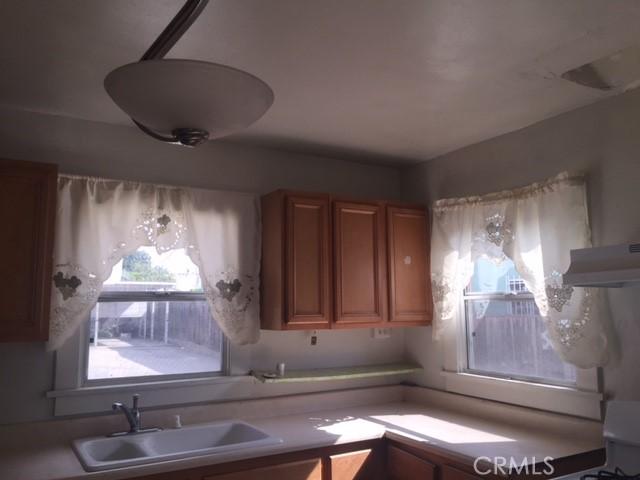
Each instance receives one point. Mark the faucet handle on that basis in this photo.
(136, 397)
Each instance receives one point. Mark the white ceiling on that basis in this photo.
(375, 80)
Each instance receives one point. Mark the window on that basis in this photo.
(152, 322)
(500, 351)
(505, 334)
(494, 343)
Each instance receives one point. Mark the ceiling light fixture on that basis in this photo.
(186, 102)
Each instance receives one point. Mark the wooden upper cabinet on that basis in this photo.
(27, 209)
(296, 261)
(308, 276)
(409, 273)
(359, 247)
(332, 263)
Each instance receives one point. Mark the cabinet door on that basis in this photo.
(308, 277)
(359, 465)
(303, 470)
(27, 209)
(402, 465)
(452, 473)
(409, 276)
(360, 263)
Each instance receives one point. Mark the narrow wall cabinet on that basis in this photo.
(360, 265)
(296, 262)
(339, 263)
(27, 209)
(409, 271)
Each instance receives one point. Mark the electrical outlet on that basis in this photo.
(380, 333)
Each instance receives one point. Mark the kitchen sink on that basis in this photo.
(104, 453)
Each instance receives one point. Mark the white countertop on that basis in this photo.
(464, 433)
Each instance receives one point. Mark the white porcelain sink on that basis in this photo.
(104, 453)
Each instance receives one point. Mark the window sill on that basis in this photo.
(129, 387)
(553, 398)
(97, 399)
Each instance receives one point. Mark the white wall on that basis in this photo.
(602, 140)
(91, 148)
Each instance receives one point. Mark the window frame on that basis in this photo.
(152, 296)
(465, 368)
(72, 397)
(582, 399)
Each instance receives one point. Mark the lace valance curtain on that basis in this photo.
(100, 221)
(535, 227)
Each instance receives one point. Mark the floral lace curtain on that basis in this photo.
(535, 227)
(100, 221)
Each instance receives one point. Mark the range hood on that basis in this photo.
(614, 266)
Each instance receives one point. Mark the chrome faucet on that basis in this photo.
(133, 417)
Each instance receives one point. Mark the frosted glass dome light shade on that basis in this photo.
(170, 95)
